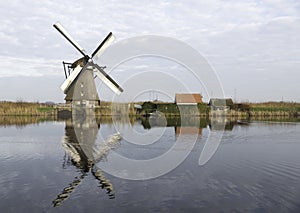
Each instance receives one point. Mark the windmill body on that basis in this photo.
(80, 89)
(79, 86)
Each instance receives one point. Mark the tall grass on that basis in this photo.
(25, 108)
(21, 108)
(275, 107)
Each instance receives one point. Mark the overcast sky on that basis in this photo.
(253, 46)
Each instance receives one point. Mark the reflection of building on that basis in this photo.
(182, 125)
(220, 124)
(188, 130)
(190, 125)
(82, 152)
(192, 121)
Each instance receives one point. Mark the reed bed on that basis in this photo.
(25, 109)
(285, 109)
(21, 108)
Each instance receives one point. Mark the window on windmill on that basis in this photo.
(81, 94)
(81, 84)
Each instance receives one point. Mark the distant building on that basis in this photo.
(220, 103)
(188, 99)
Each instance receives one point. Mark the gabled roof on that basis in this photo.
(188, 98)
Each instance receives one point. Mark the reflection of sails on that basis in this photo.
(79, 144)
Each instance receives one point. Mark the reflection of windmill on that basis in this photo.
(81, 73)
(79, 144)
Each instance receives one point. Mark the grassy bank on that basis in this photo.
(274, 109)
(25, 109)
(267, 109)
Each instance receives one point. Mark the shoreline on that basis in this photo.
(203, 110)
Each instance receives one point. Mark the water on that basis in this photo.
(54, 166)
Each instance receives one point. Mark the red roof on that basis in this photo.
(188, 98)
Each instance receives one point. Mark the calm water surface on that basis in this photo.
(48, 167)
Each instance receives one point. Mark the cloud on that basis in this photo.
(240, 38)
(29, 67)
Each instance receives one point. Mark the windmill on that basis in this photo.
(79, 86)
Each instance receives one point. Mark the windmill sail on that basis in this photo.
(73, 75)
(104, 44)
(99, 72)
(62, 30)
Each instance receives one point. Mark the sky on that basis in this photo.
(253, 46)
